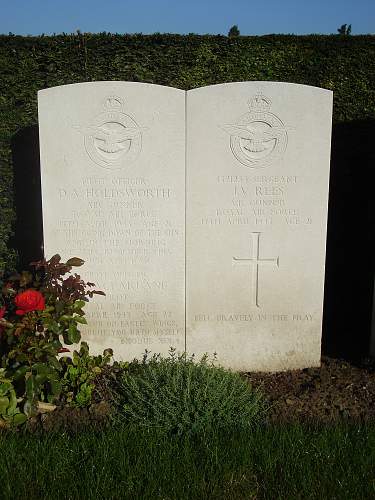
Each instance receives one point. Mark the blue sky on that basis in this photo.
(253, 17)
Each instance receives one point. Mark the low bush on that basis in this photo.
(180, 396)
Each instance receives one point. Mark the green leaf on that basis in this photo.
(76, 358)
(56, 387)
(19, 418)
(41, 368)
(66, 338)
(12, 403)
(65, 317)
(37, 351)
(20, 372)
(55, 363)
(83, 397)
(30, 387)
(73, 334)
(56, 344)
(72, 372)
(21, 357)
(30, 408)
(78, 304)
(39, 380)
(80, 319)
(84, 350)
(59, 306)
(5, 387)
(54, 327)
(4, 404)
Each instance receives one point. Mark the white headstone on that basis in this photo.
(255, 155)
(257, 182)
(113, 184)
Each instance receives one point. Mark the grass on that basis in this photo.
(128, 462)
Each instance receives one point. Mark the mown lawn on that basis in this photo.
(124, 462)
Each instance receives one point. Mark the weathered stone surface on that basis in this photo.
(257, 182)
(113, 182)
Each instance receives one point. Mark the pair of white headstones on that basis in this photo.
(201, 214)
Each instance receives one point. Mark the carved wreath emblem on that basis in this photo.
(258, 137)
(113, 139)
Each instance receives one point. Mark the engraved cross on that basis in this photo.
(255, 262)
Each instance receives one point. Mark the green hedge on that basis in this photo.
(344, 64)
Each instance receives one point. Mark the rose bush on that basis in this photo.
(39, 312)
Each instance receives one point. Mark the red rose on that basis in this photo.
(29, 300)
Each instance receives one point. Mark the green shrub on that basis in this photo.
(179, 396)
